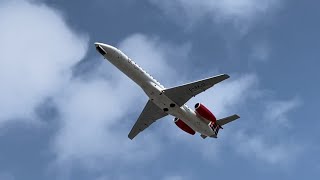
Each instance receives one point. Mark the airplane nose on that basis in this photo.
(100, 49)
(104, 48)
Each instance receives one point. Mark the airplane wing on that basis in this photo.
(182, 94)
(226, 120)
(150, 114)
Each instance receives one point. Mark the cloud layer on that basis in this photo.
(37, 51)
(263, 149)
(277, 111)
(240, 12)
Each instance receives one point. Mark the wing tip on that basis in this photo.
(226, 76)
(130, 137)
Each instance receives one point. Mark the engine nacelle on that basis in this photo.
(205, 112)
(184, 126)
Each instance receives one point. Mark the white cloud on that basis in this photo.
(37, 51)
(240, 12)
(277, 111)
(36, 63)
(258, 147)
(89, 112)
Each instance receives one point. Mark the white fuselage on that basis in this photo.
(154, 89)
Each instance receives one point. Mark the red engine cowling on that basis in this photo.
(204, 112)
(184, 126)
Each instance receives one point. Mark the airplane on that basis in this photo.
(164, 101)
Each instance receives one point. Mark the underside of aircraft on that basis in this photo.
(168, 101)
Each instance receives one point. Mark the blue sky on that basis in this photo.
(65, 112)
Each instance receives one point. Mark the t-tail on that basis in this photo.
(218, 125)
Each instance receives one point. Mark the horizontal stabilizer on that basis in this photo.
(226, 120)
